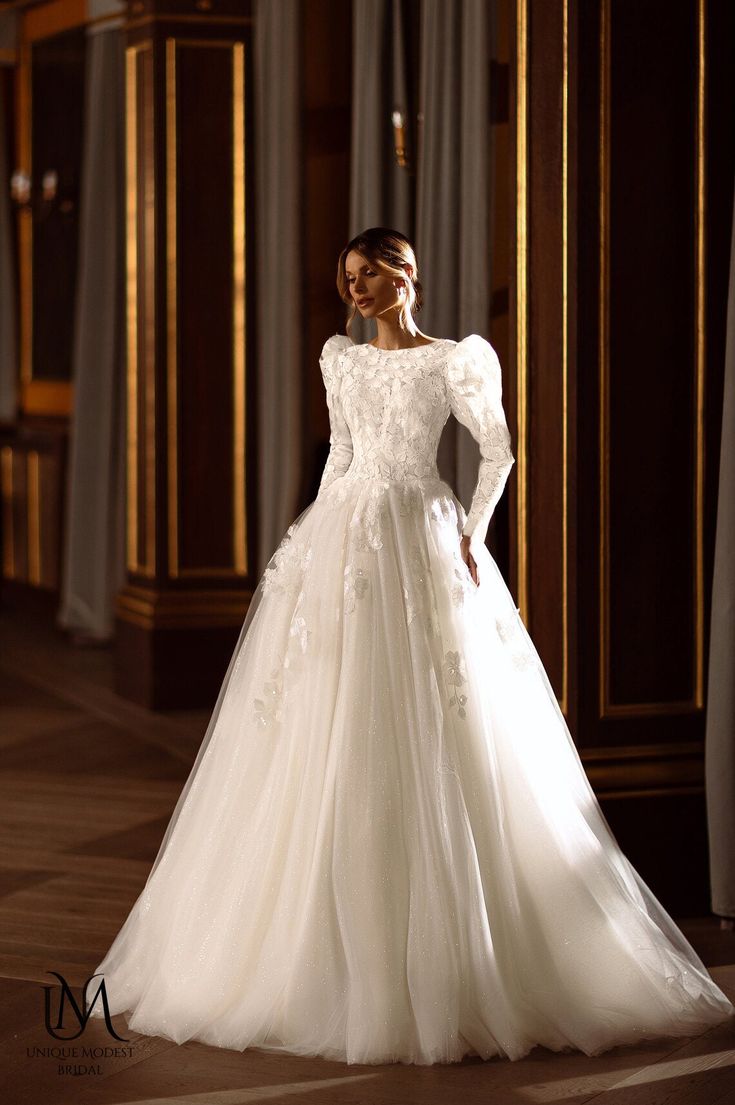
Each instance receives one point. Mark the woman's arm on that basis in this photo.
(474, 389)
(340, 439)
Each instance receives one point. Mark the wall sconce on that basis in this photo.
(50, 198)
(399, 137)
(49, 185)
(20, 188)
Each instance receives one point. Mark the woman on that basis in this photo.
(387, 848)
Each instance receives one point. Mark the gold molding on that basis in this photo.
(172, 351)
(608, 709)
(522, 304)
(564, 704)
(522, 329)
(603, 340)
(134, 442)
(239, 553)
(131, 185)
(701, 292)
(239, 514)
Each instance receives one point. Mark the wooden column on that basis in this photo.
(623, 170)
(190, 452)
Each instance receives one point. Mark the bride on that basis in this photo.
(387, 848)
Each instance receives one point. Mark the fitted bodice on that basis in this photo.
(388, 407)
(395, 405)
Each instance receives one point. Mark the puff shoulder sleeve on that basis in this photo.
(474, 389)
(340, 440)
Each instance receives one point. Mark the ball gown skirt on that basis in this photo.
(387, 848)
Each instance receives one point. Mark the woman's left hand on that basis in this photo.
(464, 548)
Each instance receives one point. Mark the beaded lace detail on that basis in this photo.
(388, 407)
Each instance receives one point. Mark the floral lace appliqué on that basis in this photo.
(268, 708)
(456, 677)
(508, 629)
(356, 585)
(285, 572)
(418, 591)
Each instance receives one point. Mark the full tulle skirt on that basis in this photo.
(387, 848)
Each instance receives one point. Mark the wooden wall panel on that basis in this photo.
(652, 452)
(623, 167)
(203, 374)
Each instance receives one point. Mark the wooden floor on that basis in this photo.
(88, 782)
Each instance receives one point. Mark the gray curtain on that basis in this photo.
(93, 568)
(278, 219)
(8, 348)
(381, 191)
(720, 722)
(454, 203)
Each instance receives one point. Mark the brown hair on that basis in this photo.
(387, 251)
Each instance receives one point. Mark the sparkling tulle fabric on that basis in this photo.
(387, 848)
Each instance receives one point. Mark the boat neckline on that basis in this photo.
(400, 348)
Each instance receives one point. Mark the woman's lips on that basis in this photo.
(363, 302)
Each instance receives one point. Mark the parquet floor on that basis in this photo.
(87, 783)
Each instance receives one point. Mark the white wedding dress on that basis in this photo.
(387, 848)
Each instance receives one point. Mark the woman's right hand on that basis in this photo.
(464, 548)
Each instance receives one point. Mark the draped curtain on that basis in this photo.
(445, 203)
(454, 201)
(278, 218)
(720, 720)
(93, 562)
(382, 192)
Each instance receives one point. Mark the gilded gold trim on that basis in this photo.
(131, 191)
(522, 473)
(135, 326)
(238, 296)
(6, 477)
(685, 706)
(172, 359)
(701, 292)
(34, 516)
(603, 337)
(564, 703)
(149, 325)
(239, 536)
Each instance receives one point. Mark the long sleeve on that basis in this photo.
(340, 439)
(474, 389)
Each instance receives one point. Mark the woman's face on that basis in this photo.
(373, 292)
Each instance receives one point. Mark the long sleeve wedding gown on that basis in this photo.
(387, 848)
